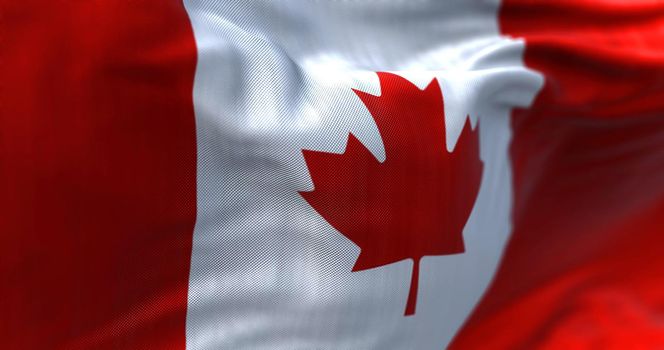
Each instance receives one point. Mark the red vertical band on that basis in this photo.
(97, 173)
(583, 268)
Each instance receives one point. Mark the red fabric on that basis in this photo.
(97, 173)
(97, 178)
(584, 266)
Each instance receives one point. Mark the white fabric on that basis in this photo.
(275, 77)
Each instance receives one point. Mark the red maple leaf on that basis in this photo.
(418, 200)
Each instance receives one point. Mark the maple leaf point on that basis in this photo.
(418, 200)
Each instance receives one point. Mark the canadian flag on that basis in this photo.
(355, 175)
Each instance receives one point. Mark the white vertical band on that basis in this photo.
(275, 77)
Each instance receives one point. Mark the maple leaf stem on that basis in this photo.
(412, 294)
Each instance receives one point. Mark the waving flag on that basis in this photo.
(332, 174)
